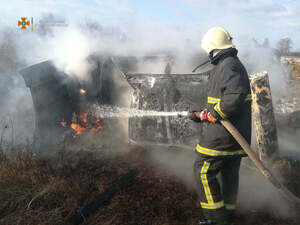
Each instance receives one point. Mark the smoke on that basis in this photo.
(67, 47)
(71, 51)
(288, 140)
(176, 161)
(70, 44)
(257, 194)
(258, 58)
(16, 111)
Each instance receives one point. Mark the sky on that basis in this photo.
(258, 19)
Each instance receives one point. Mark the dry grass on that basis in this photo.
(34, 190)
(38, 191)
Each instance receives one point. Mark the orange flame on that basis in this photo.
(79, 129)
(83, 124)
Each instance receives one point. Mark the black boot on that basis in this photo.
(230, 214)
(212, 222)
(215, 217)
(205, 222)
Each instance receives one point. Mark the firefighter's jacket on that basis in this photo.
(229, 96)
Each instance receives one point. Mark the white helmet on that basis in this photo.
(216, 38)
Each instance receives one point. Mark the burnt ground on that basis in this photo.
(61, 185)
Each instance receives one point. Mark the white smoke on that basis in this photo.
(71, 50)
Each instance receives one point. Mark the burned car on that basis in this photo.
(58, 96)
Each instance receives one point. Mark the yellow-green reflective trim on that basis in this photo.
(216, 205)
(212, 100)
(217, 108)
(230, 206)
(248, 98)
(205, 182)
(212, 152)
(210, 201)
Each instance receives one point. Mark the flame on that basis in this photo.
(82, 118)
(96, 126)
(77, 128)
(82, 91)
(84, 125)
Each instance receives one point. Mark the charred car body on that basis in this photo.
(56, 98)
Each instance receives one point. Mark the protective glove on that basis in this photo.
(205, 115)
(195, 116)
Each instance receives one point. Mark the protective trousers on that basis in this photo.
(217, 200)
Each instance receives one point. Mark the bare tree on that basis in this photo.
(285, 45)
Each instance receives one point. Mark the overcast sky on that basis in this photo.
(274, 19)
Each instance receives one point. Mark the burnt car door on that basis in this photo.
(166, 92)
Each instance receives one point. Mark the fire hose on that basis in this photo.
(258, 163)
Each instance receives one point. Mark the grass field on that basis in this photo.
(39, 191)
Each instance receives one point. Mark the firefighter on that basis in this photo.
(217, 152)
